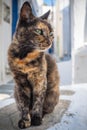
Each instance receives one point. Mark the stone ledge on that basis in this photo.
(9, 117)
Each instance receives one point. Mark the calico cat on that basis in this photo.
(35, 73)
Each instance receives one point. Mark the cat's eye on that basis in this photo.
(39, 31)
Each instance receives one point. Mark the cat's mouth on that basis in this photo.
(42, 49)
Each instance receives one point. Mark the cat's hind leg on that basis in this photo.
(52, 92)
(51, 99)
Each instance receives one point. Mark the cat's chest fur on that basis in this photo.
(34, 61)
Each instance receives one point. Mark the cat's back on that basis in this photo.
(51, 64)
(53, 78)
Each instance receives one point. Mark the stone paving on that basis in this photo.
(9, 117)
(69, 114)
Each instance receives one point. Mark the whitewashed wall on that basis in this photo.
(59, 31)
(80, 74)
(63, 28)
(0, 40)
(79, 22)
(5, 39)
(79, 49)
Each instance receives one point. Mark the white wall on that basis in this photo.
(5, 37)
(65, 71)
(79, 22)
(37, 5)
(63, 27)
(0, 40)
(79, 55)
(80, 74)
(59, 30)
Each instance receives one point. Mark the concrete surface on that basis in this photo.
(6, 94)
(75, 118)
(69, 114)
(9, 117)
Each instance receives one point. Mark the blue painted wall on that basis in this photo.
(14, 14)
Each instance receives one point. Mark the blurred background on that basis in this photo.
(69, 20)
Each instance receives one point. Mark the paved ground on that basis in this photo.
(6, 94)
(9, 117)
(75, 118)
(69, 114)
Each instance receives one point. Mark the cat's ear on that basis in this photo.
(26, 12)
(45, 16)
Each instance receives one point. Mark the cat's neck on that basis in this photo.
(35, 54)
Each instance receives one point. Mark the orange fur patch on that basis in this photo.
(21, 64)
(28, 58)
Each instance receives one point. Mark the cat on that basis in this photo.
(35, 73)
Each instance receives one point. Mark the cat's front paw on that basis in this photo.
(24, 124)
(36, 119)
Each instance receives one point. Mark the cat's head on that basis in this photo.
(33, 31)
